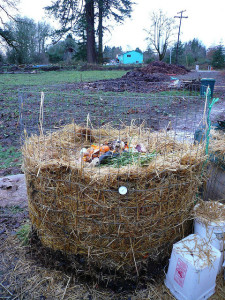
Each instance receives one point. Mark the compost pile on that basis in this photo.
(152, 78)
(156, 71)
(147, 77)
(76, 205)
(164, 68)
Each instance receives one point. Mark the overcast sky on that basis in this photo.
(206, 21)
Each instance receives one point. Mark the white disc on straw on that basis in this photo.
(122, 190)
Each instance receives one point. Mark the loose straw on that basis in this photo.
(41, 115)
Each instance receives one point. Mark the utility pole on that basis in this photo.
(180, 17)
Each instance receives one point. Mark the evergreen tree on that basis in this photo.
(195, 52)
(180, 54)
(90, 30)
(117, 10)
(149, 56)
(63, 50)
(80, 32)
(138, 50)
(218, 58)
(111, 53)
(68, 13)
(71, 14)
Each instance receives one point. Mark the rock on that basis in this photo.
(13, 191)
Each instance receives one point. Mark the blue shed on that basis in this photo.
(131, 57)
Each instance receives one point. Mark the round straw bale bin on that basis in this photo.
(76, 208)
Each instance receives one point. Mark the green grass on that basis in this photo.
(9, 157)
(16, 209)
(178, 93)
(23, 233)
(55, 77)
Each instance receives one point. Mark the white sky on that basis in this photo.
(206, 21)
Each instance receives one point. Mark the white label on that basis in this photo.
(122, 190)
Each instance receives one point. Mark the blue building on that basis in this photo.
(131, 57)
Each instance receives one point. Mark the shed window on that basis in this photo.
(128, 55)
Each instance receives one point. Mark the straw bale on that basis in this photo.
(76, 208)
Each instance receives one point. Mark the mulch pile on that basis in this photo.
(156, 71)
(141, 76)
(161, 67)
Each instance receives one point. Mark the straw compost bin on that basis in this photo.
(76, 206)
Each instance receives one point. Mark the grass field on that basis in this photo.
(13, 81)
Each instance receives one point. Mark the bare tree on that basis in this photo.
(43, 32)
(7, 10)
(160, 32)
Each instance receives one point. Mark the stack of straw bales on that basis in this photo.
(76, 208)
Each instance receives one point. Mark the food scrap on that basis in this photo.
(115, 153)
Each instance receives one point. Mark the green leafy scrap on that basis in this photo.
(130, 158)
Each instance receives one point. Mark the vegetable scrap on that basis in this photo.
(116, 153)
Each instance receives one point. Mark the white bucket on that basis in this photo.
(193, 269)
(213, 232)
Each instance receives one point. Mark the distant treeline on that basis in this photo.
(28, 42)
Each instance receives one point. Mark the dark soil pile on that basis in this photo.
(126, 84)
(142, 76)
(161, 67)
(156, 71)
